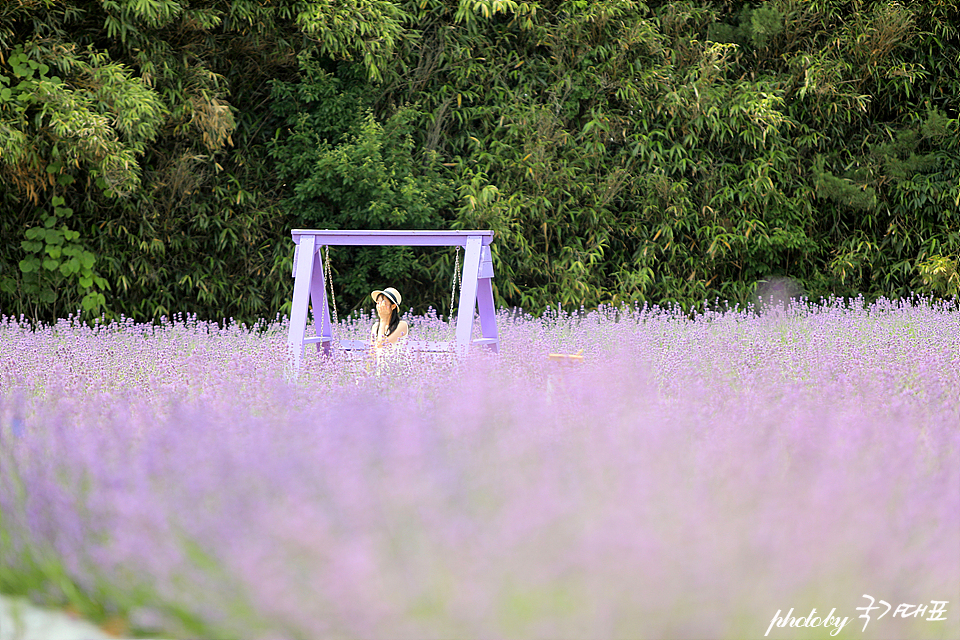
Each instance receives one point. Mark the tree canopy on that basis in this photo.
(155, 154)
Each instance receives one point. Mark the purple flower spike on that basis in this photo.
(685, 478)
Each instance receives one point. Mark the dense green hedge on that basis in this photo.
(154, 154)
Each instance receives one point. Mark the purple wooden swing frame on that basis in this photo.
(476, 288)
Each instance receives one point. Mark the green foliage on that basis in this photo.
(364, 29)
(940, 275)
(754, 27)
(124, 131)
(92, 120)
(676, 151)
(367, 175)
(57, 266)
(847, 191)
(98, 118)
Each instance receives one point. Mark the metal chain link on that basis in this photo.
(333, 300)
(455, 280)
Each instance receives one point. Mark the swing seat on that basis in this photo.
(417, 346)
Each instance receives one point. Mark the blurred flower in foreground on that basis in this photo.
(689, 478)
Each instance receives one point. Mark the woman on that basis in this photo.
(389, 329)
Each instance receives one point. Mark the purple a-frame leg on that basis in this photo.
(476, 291)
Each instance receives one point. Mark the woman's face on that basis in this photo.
(384, 306)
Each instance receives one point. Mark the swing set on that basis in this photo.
(311, 278)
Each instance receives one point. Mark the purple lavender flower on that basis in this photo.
(687, 479)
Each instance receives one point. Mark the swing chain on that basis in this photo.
(333, 301)
(456, 279)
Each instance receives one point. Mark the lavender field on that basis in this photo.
(689, 479)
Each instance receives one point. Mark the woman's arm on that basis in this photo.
(400, 332)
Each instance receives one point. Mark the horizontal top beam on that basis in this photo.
(392, 238)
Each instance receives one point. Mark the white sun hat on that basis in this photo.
(392, 294)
